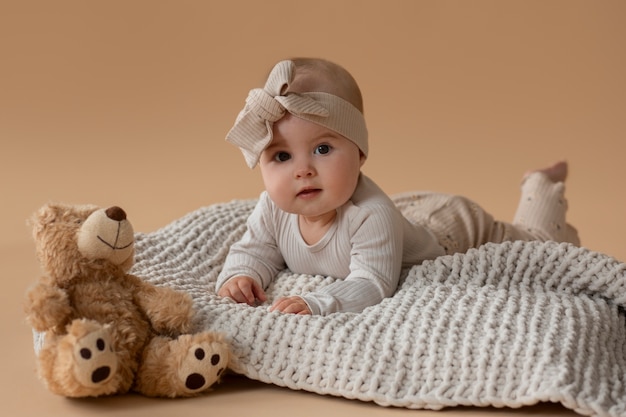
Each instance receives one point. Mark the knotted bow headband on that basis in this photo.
(252, 131)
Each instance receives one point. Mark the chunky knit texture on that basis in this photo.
(507, 324)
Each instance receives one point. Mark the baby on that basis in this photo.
(320, 215)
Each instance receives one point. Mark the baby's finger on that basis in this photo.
(292, 305)
(258, 292)
(245, 292)
(279, 304)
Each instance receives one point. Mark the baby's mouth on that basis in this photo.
(309, 192)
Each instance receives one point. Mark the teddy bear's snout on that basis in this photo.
(106, 234)
(116, 213)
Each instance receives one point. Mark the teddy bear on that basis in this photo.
(103, 330)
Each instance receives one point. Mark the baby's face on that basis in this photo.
(308, 169)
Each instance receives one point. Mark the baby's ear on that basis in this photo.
(362, 157)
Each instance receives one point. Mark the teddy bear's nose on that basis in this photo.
(116, 213)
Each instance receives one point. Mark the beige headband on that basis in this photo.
(252, 131)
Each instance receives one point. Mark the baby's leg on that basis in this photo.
(542, 207)
(457, 222)
(460, 224)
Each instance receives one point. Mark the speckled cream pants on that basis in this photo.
(460, 224)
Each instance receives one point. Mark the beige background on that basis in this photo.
(127, 103)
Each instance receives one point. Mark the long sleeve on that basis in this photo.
(365, 249)
(256, 255)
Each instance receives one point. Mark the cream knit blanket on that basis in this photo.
(509, 325)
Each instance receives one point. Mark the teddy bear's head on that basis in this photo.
(76, 240)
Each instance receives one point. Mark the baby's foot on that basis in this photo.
(556, 172)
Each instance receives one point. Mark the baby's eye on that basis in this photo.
(282, 157)
(322, 149)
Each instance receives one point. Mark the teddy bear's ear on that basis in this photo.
(51, 212)
(47, 214)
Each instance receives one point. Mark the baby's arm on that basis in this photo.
(243, 289)
(253, 261)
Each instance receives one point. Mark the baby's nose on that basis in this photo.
(304, 169)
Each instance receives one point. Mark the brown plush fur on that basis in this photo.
(107, 331)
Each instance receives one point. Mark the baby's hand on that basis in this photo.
(243, 289)
(294, 305)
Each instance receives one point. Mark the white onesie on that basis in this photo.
(367, 245)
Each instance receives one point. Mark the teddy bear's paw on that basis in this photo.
(205, 360)
(95, 362)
